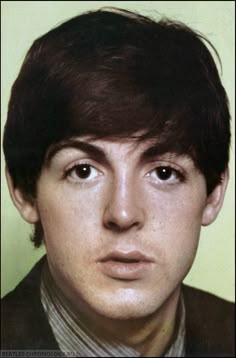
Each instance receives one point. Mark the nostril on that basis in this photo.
(120, 227)
(114, 227)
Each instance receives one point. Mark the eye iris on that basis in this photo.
(83, 171)
(164, 173)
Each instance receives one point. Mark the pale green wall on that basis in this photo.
(22, 22)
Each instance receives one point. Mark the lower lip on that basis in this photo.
(125, 271)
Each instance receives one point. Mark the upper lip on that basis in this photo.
(131, 256)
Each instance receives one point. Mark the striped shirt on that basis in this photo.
(76, 340)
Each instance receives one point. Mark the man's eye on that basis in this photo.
(82, 172)
(165, 174)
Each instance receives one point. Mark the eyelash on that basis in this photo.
(71, 170)
(180, 177)
(167, 170)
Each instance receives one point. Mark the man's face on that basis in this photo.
(121, 223)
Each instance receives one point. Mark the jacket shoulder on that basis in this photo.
(210, 323)
(23, 321)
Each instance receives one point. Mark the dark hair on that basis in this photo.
(114, 73)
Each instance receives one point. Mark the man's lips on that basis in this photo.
(131, 256)
(130, 265)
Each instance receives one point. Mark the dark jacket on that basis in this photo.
(209, 321)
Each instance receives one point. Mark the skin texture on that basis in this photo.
(122, 205)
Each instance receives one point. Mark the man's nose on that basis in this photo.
(124, 209)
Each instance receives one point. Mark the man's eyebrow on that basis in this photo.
(91, 149)
(154, 150)
(163, 151)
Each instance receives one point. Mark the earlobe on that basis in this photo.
(26, 207)
(215, 200)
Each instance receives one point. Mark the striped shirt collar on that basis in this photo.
(75, 339)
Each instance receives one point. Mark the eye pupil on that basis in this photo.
(83, 171)
(164, 173)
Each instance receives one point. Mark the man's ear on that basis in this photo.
(215, 200)
(26, 206)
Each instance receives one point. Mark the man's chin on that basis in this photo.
(124, 311)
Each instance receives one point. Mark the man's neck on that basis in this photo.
(149, 335)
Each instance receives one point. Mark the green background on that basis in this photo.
(22, 22)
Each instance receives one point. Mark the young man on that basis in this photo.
(116, 145)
